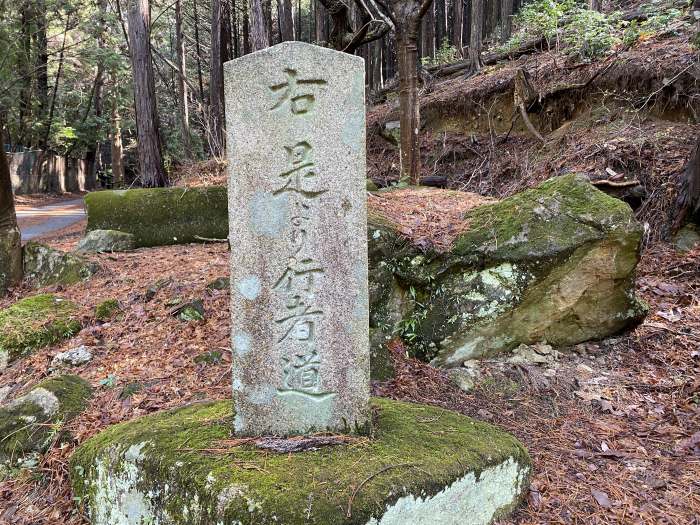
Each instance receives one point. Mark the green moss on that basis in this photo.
(106, 309)
(29, 424)
(161, 216)
(552, 219)
(416, 449)
(36, 322)
(10, 258)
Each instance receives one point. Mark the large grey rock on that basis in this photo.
(99, 241)
(553, 264)
(44, 266)
(74, 357)
(688, 238)
(297, 205)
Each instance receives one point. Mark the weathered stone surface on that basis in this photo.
(33, 323)
(687, 238)
(424, 465)
(74, 357)
(99, 241)
(45, 266)
(297, 204)
(26, 422)
(555, 264)
(160, 216)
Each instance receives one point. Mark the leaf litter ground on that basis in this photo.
(613, 426)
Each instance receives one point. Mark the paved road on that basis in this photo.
(35, 222)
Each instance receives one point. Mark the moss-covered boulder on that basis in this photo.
(28, 424)
(687, 238)
(33, 323)
(423, 465)
(45, 266)
(555, 264)
(161, 216)
(101, 241)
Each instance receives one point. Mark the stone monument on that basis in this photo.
(295, 120)
(299, 301)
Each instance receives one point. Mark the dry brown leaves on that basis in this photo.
(430, 217)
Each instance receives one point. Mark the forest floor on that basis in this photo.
(613, 426)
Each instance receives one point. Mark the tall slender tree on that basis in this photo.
(151, 168)
(10, 238)
(182, 92)
(216, 80)
(259, 37)
(457, 25)
(506, 19)
(286, 20)
(476, 37)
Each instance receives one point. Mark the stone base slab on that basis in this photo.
(423, 465)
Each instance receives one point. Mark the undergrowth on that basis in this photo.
(585, 34)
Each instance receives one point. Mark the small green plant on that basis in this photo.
(445, 55)
(543, 17)
(591, 34)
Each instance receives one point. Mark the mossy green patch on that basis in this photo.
(28, 424)
(107, 309)
(161, 216)
(171, 458)
(36, 322)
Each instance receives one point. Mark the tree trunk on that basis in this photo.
(595, 5)
(151, 168)
(506, 19)
(378, 80)
(198, 48)
(457, 19)
(97, 167)
(688, 201)
(286, 20)
(407, 43)
(181, 84)
(10, 238)
(216, 82)
(259, 38)
(246, 32)
(477, 24)
(428, 33)
(117, 149)
(440, 23)
(24, 136)
(320, 15)
(42, 58)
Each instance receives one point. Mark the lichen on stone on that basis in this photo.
(44, 266)
(416, 451)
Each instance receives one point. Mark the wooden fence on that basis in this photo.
(39, 172)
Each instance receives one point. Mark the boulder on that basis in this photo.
(161, 216)
(553, 264)
(421, 465)
(29, 423)
(687, 238)
(45, 266)
(100, 241)
(74, 357)
(33, 323)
